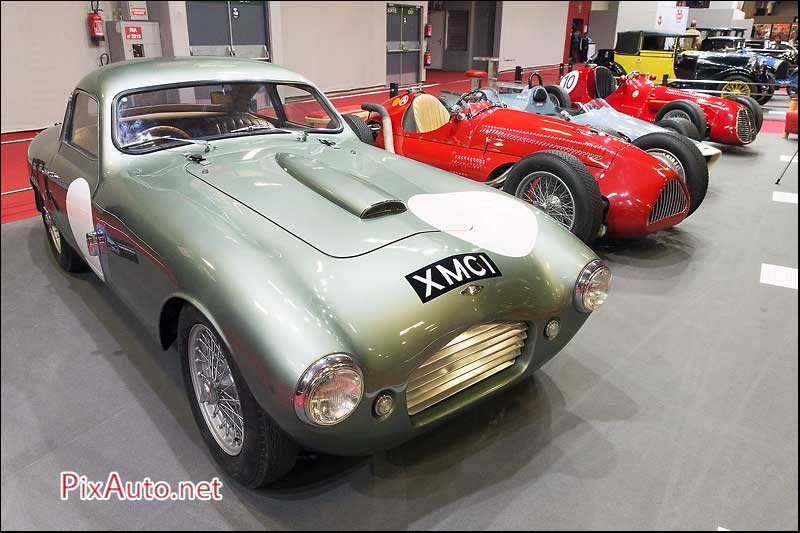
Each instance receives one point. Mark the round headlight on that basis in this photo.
(591, 289)
(329, 391)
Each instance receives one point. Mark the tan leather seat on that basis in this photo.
(429, 113)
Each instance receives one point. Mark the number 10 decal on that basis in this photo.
(569, 81)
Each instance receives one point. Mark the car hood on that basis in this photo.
(517, 132)
(344, 201)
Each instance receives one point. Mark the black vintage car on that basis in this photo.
(677, 58)
(779, 66)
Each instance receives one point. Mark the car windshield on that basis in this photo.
(597, 103)
(160, 118)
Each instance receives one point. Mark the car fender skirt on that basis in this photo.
(348, 191)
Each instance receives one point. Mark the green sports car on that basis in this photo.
(322, 293)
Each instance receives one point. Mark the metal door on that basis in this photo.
(403, 49)
(228, 29)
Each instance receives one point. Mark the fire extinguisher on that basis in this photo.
(427, 58)
(96, 23)
(428, 29)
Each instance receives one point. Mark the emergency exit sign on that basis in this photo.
(133, 33)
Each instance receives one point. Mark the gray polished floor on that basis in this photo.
(675, 407)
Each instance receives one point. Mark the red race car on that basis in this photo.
(592, 183)
(734, 121)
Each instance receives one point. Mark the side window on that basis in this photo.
(628, 43)
(83, 128)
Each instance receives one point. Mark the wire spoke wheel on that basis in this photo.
(52, 231)
(677, 114)
(669, 159)
(735, 87)
(215, 389)
(550, 194)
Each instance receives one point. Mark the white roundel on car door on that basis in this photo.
(81, 222)
(569, 81)
(494, 222)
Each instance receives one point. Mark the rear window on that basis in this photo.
(628, 43)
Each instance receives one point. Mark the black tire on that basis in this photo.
(766, 91)
(691, 159)
(575, 176)
(66, 256)
(687, 110)
(360, 128)
(267, 453)
(616, 69)
(755, 108)
(559, 95)
(681, 127)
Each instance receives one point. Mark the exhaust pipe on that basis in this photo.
(386, 124)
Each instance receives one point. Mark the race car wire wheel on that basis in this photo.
(215, 389)
(669, 159)
(550, 194)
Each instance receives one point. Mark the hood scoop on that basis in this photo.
(349, 191)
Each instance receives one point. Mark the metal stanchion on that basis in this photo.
(394, 89)
(518, 73)
(560, 70)
(665, 80)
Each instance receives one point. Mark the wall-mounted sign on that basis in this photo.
(138, 11)
(133, 33)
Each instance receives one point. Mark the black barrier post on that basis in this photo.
(664, 80)
(394, 89)
(518, 73)
(560, 70)
(569, 67)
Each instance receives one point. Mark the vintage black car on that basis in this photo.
(778, 66)
(677, 58)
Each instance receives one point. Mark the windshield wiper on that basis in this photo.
(207, 145)
(258, 127)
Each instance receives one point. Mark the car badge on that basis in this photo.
(472, 290)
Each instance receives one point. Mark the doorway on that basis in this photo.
(228, 29)
(436, 41)
(403, 47)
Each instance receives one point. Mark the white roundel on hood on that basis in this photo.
(495, 222)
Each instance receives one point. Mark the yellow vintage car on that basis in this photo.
(651, 53)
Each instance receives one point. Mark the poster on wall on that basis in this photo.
(671, 19)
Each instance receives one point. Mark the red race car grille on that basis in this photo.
(745, 126)
(672, 201)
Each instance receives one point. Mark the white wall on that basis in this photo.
(533, 33)
(337, 45)
(637, 15)
(46, 50)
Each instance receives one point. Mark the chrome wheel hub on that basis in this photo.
(215, 389)
(670, 160)
(52, 231)
(550, 194)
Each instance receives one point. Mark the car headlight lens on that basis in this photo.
(329, 391)
(591, 289)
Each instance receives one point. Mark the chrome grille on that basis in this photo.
(671, 201)
(745, 125)
(476, 354)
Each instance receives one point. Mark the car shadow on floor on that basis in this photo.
(512, 439)
(671, 248)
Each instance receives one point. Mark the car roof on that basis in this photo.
(110, 80)
(660, 33)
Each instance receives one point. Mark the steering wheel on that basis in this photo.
(164, 130)
(471, 97)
